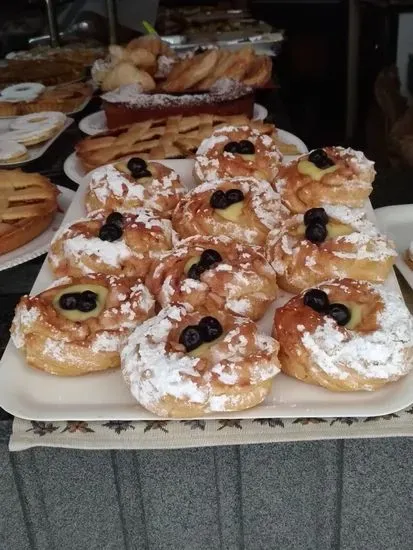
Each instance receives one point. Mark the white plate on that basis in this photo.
(397, 223)
(32, 394)
(40, 244)
(36, 151)
(96, 122)
(74, 171)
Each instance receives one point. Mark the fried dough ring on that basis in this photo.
(77, 249)
(359, 252)
(316, 350)
(262, 211)
(243, 283)
(57, 345)
(350, 185)
(233, 374)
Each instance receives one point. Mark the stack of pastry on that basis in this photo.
(209, 262)
(32, 97)
(152, 65)
(27, 131)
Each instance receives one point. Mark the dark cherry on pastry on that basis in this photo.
(317, 300)
(211, 328)
(68, 301)
(110, 232)
(207, 330)
(231, 147)
(195, 271)
(210, 257)
(316, 232)
(320, 158)
(136, 165)
(340, 313)
(222, 200)
(115, 218)
(318, 215)
(246, 147)
(82, 301)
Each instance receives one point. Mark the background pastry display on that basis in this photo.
(29, 97)
(28, 203)
(151, 64)
(173, 137)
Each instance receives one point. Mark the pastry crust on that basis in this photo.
(262, 211)
(58, 345)
(112, 187)
(28, 203)
(232, 65)
(233, 374)
(243, 283)
(64, 98)
(316, 350)
(259, 71)
(190, 71)
(170, 137)
(77, 249)
(349, 185)
(212, 162)
(126, 73)
(353, 248)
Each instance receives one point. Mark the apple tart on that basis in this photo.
(77, 326)
(327, 243)
(186, 363)
(216, 272)
(345, 335)
(333, 175)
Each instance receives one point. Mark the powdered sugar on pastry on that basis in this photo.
(378, 354)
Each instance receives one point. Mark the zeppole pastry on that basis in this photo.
(233, 151)
(215, 272)
(28, 204)
(345, 335)
(332, 175)
(244, 209)
(185, 363)
(327, 243)
(128, 185)
(78, 325)
(118, 244)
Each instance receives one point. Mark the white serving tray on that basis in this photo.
(96, 122)
(35, 395)
(35, 151)
(73, 169)
(40, 244)
(397, 223)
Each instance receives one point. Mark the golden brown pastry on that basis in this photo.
(77, 326)
(185, 363)
(345, 335)
(128, 185)
(28, 204)
(326, 243)
(244, 209)
(126, 73)
(216, 272)
(233, 151)
(190, 71)
(115, 243)
(332, 175)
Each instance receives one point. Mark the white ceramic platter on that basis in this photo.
(74, 171)
(32, 394)
(35, 151)
(96, 122)
(40, 244)
(397, 223)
